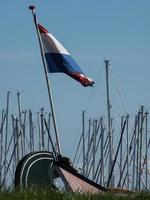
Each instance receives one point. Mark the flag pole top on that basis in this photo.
(32, 7)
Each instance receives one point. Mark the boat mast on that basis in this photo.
(83, 140)
(109, 119)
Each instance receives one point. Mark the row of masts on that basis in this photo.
(130, 152)
(27, 132)
(115, 159)
(109, 157)
(21, 134)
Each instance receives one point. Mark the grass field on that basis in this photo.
(48, 194)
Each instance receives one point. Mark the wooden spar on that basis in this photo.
(88, 147)
(49, 128)
(140, 145)
(120, 164)
(32, 8)
(127, 148)
(142, 118)
(102, 153)
(14, 142)
(17, 138)
(137, 153)
(134, 155)
(24, 130)
(146, 150)
(20, 122)
(3, 118)
(94, 149)
(30, 131)
(42, 128)
(83, 141)
(39, 131)
(6, 137)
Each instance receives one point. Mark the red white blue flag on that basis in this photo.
(59, 60)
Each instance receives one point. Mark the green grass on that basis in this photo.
(49, 194)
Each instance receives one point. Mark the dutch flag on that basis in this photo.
(59, 60)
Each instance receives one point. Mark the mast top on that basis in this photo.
(32, 7)
(106, 62)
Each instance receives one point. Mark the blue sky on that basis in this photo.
(91, 31)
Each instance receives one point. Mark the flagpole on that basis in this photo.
(32, 8)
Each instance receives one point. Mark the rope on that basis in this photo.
(119, 91)
(94, 88)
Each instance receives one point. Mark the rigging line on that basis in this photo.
(78, 134)
(94, 88)
(73, 143)
(116, 118)
(119, 91)
(78, 148)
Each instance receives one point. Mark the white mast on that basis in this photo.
(32, 8)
